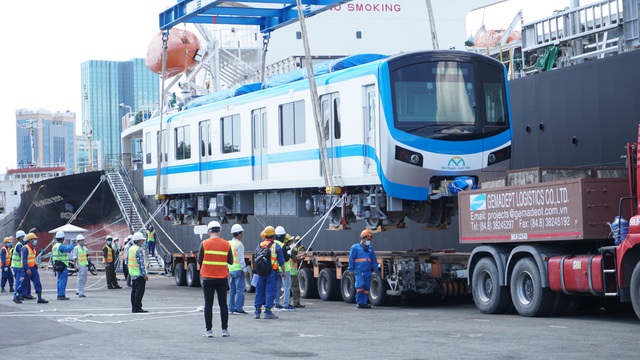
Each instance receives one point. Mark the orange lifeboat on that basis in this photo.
(182, 46)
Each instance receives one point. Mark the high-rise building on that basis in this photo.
(44, 138)
(110, 90)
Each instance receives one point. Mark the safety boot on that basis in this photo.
(3, 291)
(11, 289)
(270, 315)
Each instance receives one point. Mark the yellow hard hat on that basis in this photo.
(269, 231)
(262, 234)
(31, 236)
(288, 238)
(7, 240)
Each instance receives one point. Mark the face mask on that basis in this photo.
(9, 245)
(108, 242)
(368, 242)
(81, 243)
(35, 242)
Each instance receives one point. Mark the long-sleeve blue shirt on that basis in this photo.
(5, 253)
(279, 255)
(67, 248)
(24, 255)
(18, 249)
(362, 258)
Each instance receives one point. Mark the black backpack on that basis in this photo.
(262, 263)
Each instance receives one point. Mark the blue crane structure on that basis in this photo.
(268, 14)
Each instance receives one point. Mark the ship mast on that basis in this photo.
(32, 125)
(86, 127)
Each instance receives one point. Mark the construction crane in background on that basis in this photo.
(432, 24)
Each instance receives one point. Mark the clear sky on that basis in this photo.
(45, 42)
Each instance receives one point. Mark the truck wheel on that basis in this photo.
(327, 284)
(635, 289)
(528, 295)
(307, 284)
(488, 295)
(180, 275)
(348, 287)
(193, 276)
(378, 291)
(247, 281)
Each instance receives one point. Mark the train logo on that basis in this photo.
(456, 163)
(478, 202)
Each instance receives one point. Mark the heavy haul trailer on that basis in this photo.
(544, 239)
(325, 275)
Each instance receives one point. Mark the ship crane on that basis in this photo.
(432, 25)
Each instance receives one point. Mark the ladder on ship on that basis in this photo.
(131, 215)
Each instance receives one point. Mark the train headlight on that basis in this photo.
(408, 156)
(499, 155)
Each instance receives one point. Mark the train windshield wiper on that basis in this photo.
(444, 127)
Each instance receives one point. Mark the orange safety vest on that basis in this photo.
(31, 257)
(109, 258)
(7, 256)
(214, 261)
(274, 257)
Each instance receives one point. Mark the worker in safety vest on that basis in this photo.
(60, 254)
(295, 250)
(125, 269)
(266, 289)
(213, 256)
(137, 271)
(31, 266)
(21, 287)
(109, 259)
(5, 261)
(151, 240)
(285, 273)
(362, 262)
(80, 255)
(238, 271)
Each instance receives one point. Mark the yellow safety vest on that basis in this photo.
(287, 267)
(59, 255)
(16, 262)
(132, 261)
(236, 261)
(82, 256)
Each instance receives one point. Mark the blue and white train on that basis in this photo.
(397, 131)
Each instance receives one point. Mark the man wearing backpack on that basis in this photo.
(266, 289)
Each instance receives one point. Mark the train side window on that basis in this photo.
(183, 142)
(147, 147)
(325, 110)
(230, 133)
(337, 133)
(292, 124)
(494, 104)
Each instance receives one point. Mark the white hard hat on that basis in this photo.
(79, 237)
(20, 233)
(280, 230)
(137, 237)
(213, 224)
(60, 235)
(451, 46)
(109, 237)
(236, 228)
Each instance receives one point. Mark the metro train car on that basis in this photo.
(397, 130)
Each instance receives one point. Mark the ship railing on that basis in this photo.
(573, 24)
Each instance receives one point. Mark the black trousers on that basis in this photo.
(110, 271)
(137, 292)
(209, 287)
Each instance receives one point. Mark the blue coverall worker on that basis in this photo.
(21, 287)
(31, 266)
(60, 252)
(266, 289)
(5, 261)
(237, 272)
(362, 262)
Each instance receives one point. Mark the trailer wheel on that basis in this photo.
(327, 284)
(378, 292)
(307, 284)
(180, 275)
(488, 295)
(193, 276)
(247, 281)
(529, 297)
(635, 289)
(348, 287)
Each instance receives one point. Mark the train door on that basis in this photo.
(205, 152)
(370, 126)
(331, 126)
(162, 182)
(260, 153)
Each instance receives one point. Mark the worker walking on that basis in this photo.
(30, 265)
(266, 289)
(362, 261)
(237, 272)
(151, 240)
(296, 251)
(5, 261)
(109, 259)
(284, 280)
(61, 263)
(138, 272)
(213, 257)
(80, 253)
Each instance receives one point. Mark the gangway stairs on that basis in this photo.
(132, 216)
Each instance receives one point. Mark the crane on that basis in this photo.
(432, 24)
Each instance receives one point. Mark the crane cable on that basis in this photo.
(322, 144)
(165, 39)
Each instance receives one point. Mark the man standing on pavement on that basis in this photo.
(284, 285)
(237, 272)
(61, 263)
(137, 271)
(30, 265)
(363, 261)
(266, 290)
(125, 253)
(213, 256)
(21, 287)
(296, 256)
(151, 240)
(109, 259)
(5, 261)
(80, 253)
